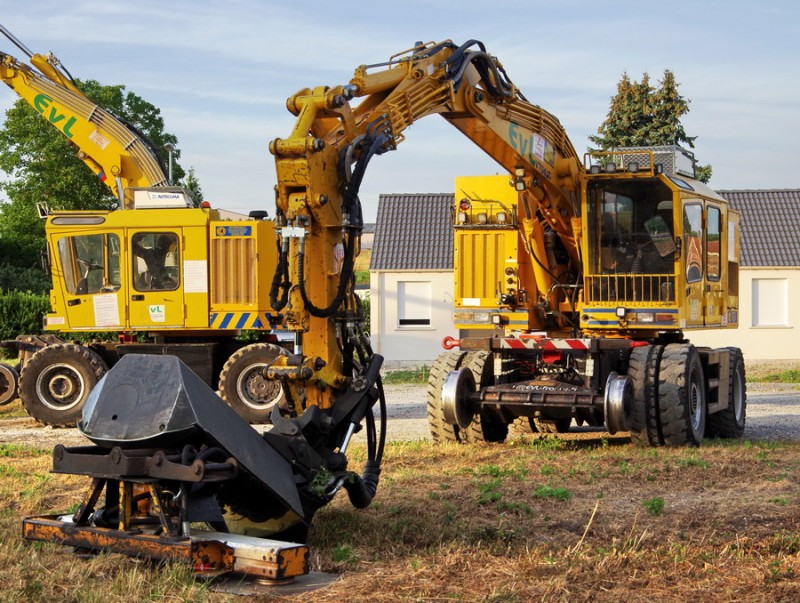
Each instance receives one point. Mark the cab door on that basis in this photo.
(87, 282)
(155, 289)
(714, 287)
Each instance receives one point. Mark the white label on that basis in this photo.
(195, 276)
(55, 320)
(471, 301)
(106, 310)
(98, 139)
(157, 313)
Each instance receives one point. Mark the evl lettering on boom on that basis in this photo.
(532, 147)
(42, 103)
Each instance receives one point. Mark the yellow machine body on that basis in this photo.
(634, 282)
(169, 269)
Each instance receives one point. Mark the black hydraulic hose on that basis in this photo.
(361, 490)
(352, 204)
(344, 281)
(280, 280)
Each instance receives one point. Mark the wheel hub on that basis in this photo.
(60, 386)
(254, 390)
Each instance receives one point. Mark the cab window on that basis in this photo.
(90, 263)
(155, 261)
(713, 243)
(693, 230)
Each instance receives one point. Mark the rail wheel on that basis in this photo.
(244, 389)
(441, 430)
(56, 381)
(483, 428)
(681, 396)
(9, 383)
(643, 371)
(729, 423)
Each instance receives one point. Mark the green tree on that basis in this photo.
(642, 115)
(191, 184)
(42, 167)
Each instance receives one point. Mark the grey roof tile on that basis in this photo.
(770, 226)
(413, 232)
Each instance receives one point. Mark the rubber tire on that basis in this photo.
(522, 426)
(681, 396)
(725, 424)
(442, 431)
(485, 427)
(9, 383)
(241, 365)
(643, 371)
(553, 425)
(82, 366)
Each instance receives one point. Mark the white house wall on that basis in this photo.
(768, 323)
(410, 345)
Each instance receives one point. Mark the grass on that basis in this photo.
(476, 523)
(417, 376)
(785, 376)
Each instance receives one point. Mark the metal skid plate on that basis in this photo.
(215, 552)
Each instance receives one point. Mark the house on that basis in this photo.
(769, 276)
(411, 278)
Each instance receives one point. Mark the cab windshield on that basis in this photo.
(631, 228)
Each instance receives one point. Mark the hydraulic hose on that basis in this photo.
(361, 490)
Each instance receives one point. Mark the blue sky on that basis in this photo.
(221, 72)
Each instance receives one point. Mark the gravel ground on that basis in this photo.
(773, 413)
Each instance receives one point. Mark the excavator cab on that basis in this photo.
(660, 247)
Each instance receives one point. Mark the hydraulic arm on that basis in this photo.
(120, 157)
(321, 164)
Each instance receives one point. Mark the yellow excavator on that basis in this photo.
(157, 276)
(577, 292)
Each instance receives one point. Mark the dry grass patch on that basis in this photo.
(531, 520)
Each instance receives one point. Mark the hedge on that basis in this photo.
(21, 313)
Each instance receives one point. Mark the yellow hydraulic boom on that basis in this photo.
(117, 155)
(321, 164)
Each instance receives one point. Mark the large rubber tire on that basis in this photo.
(242, 386)
(729, 423)
(485, 427)
(553, 425)
(643, 372)
(522, 426)
(9, 383)
(681, 396)
(441, 430)
(56, 381)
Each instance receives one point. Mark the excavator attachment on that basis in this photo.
(175, 472)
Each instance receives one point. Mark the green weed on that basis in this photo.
(558, 493)
(654, 506)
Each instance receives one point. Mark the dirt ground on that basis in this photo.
(578, 517)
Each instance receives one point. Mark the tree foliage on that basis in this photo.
(42, 167)
(643, 115)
